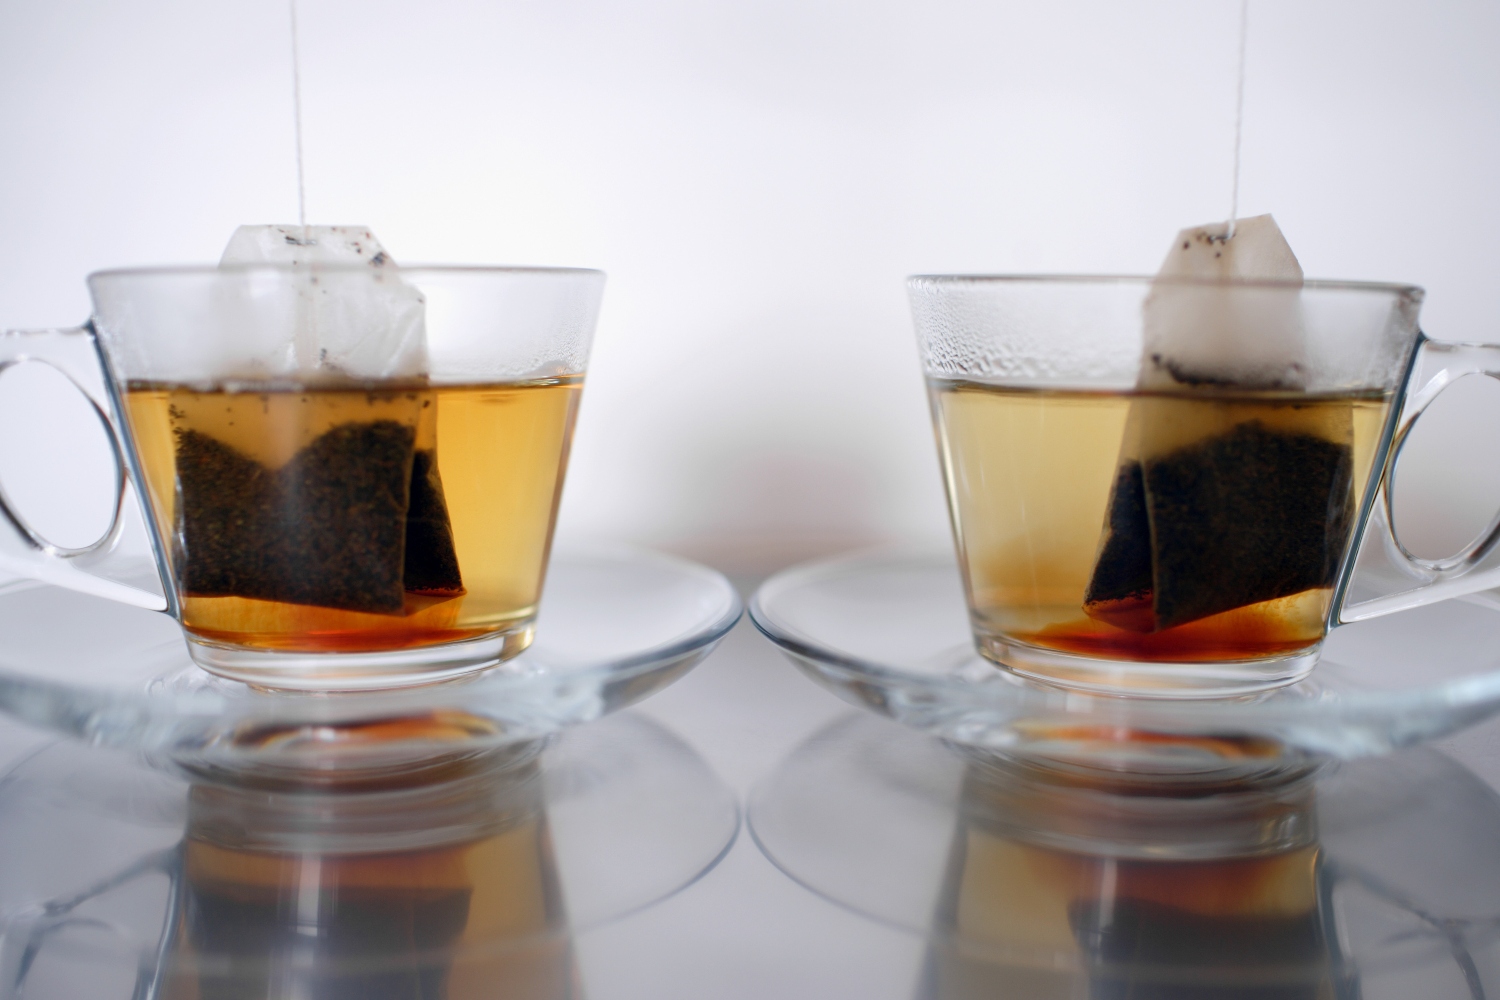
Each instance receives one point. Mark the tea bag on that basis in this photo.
(1233, 487)
(324, 491)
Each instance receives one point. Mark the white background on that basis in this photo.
(757, 178)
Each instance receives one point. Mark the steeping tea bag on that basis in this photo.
(319, 484)
(1234, 485)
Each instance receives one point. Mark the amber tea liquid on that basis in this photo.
(355, 519)
(1037, 477)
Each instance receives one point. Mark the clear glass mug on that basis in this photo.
(329, 507)
(1191, 541)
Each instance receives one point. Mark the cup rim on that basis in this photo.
(350, 267)
(1321, 284)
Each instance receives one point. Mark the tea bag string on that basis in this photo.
(304, 339)
(1239, 120)
(297, 118)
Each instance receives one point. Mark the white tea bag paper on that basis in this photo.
(1234, 485)
(353, 320)
(1200, 329)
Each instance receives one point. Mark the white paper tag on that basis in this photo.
(359, 322)
(1201, 331)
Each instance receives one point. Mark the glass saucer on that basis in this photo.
(613, 628)
(1374, 878)
(889, 632)
(123, 878)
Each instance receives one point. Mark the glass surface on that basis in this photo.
(613, 628)
(121, 879)
(1123, 524)
(1376, 878)
(351, 473)
(889, 631)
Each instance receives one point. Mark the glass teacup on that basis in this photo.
(322, 517)
(1192, 541)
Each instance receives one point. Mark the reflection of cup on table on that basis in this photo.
(443, 888)
(1164, 891)
(332, 508)
(1189, 538)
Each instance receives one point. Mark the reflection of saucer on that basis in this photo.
(889, 632)
(464, 882)
(612, 629)
(1377, 878)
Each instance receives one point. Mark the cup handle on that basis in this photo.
(23, 550)
(1410, 581)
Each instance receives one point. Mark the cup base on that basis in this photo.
(1146, 679)
(314, 672)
